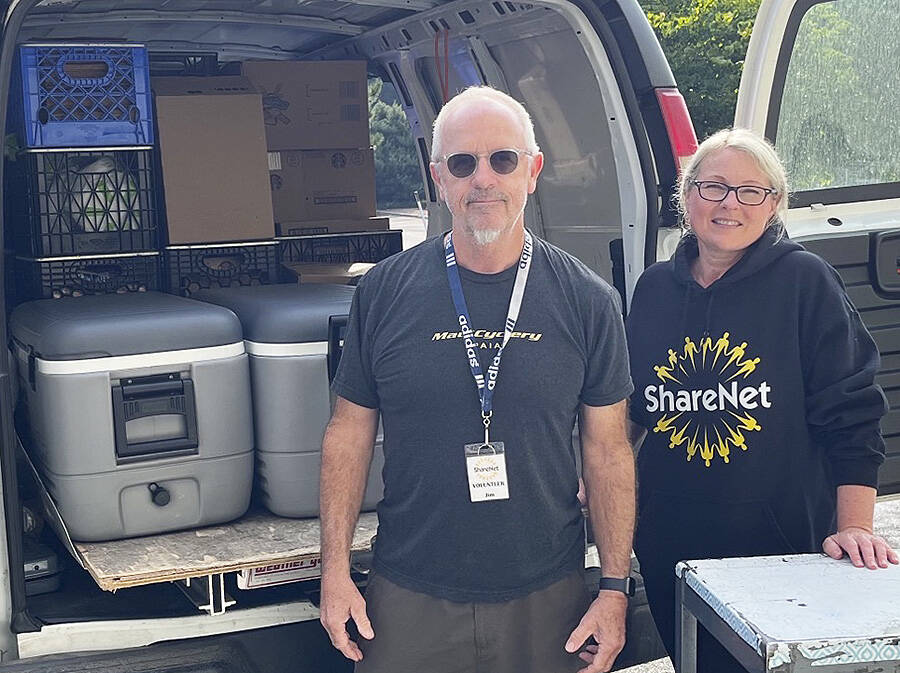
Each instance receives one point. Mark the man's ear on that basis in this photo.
(534, 170)
(436, 178)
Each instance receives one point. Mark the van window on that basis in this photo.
(839, 123)
(398, 177)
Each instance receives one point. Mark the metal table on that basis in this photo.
(791, 614)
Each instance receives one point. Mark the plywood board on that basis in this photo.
(259, 538)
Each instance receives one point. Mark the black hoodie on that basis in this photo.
(759, 399)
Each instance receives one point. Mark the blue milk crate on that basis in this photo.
(85, 95)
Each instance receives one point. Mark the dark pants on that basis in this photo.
(671, 529)
(417, 633)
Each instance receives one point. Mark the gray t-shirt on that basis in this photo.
(403, 355)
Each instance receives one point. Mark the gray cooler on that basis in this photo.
(293, 334)
(138, 410)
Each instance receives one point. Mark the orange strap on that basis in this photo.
(443, 68)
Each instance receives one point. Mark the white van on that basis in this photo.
(821, 80)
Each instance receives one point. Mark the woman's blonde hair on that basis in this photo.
(750, 143)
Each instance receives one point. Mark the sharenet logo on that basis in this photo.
(706, 400)
(660, 398)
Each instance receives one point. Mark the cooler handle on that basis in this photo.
(337, 327)
(32, 369)
(154, 396)
(30, 358)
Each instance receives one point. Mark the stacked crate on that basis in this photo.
(80, 195)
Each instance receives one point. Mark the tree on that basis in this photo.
(397, 173)
(705, 42)
(839, 123)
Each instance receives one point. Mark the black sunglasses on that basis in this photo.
(503, 162)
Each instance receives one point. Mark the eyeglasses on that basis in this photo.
(749, 195)
(503, 162)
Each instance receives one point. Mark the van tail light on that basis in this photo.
(679, 127)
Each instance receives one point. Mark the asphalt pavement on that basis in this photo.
(410, 221)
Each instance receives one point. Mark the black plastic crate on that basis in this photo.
(189, 268)
(369, 246)
(183, 63)
(77, 276)
(82, 202)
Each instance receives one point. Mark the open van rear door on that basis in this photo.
(821, 80)
(606, 112)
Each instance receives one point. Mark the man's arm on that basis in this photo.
(346, 456)
(608, 468)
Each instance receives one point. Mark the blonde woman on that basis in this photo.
(754, 385)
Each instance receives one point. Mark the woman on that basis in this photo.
(754, 383)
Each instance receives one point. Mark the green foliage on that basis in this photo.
(840, 123)
(397, 173)
(705, 42)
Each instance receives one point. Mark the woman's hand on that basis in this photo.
(864, 548)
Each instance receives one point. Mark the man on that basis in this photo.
(479, 350)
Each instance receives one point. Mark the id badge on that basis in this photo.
(486, 467)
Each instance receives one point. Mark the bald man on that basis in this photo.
(481, 349)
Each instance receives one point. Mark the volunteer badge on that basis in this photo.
(486, 467)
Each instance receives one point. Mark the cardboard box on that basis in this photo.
(322, 184)
(305, 228)
(213, 150)
(341, 274)
(312, 104)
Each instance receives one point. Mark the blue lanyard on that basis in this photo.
(487, 384)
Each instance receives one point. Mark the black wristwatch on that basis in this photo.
(624, 584)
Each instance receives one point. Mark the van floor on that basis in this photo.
(290, 648)
(301, 647)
